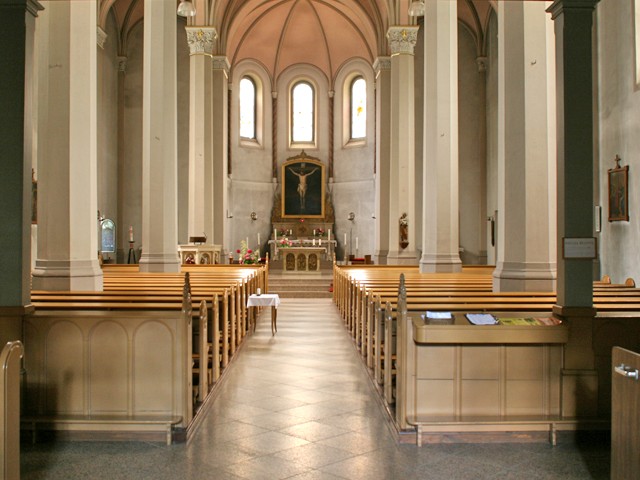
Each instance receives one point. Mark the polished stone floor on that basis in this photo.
(300, 405)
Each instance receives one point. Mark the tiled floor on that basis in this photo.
(299, 405)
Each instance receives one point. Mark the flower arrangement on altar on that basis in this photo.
(246, 255)
(318, 232)
(283, 232)
(284, 242)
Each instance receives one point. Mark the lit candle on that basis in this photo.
(130, 233)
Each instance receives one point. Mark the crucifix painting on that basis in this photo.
(303, 187)
(618, 192)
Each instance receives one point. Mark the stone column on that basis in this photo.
(123, 230)
(159, 141)
(201, 40)
(67, 153)
(526, 149)
(574, 64)
(440, 233)
(17, 101)
(220, 81)
(401, 200)
(573, 22)
(382, 67)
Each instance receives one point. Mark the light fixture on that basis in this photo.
(416, 9)
(186, 9)
(254, 216)
(351, 217)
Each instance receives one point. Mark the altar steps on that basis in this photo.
(300, 286)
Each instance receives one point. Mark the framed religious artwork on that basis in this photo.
(618, 192)
(303, 187)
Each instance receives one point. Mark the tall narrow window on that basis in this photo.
(302, 113)
(358, 108)
(247, 108)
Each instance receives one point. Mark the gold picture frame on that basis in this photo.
(303, 187)
(618, 192)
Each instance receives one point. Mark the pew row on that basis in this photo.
(462, 382)
(138, 362)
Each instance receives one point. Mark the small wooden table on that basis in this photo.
(266, 300)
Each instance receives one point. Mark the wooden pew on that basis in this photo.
(10, 358)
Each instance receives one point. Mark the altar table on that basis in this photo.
(266, 300)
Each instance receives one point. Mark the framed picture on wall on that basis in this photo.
(619, 192)
(303, 187)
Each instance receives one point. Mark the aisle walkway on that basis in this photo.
(300, 405)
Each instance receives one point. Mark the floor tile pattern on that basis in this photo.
(300, 405)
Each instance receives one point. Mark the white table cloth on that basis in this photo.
(266, 300)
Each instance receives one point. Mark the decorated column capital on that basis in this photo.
(101, 37)
(382, 63)
(482, 63)
(200, 40)
(402, 39)
(221, 62)
(122, 63)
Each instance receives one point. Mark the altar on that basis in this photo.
(302, 259)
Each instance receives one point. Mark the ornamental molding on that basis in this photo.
(402, 39)
(200, 40)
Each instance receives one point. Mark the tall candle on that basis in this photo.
(247, 240)
(329, 237)
(130, 233)
(275, 234)
(314, 232)
(258, 240)
(314, 242)
(345, 239)
(356, 243)
(319, 242)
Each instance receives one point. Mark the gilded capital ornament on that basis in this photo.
(200, 40)
(402, 39)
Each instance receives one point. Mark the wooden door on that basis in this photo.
(625, 415)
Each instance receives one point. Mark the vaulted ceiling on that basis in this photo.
(281, 33)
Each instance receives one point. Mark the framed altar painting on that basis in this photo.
(303, 184)
(619, 192)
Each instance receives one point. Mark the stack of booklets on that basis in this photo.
(481, 318)
(438, 318)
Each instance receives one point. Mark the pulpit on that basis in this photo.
(199, 254)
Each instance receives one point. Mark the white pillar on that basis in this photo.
(526, 149)
(440, 232)
(201, 41)
(402, 40)
(67, 151)
(382, 67)
(220, 82)
(159, 140)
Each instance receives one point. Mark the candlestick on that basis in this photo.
(329, 237)
(130, 233)
(314, 242)
(356, 243)
(258, 240)
(345, 240)
(275, 234)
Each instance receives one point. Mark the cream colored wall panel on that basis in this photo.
(480, 397)
(153, 361)
(436, 362)
(526, 362)
(525, 397)
(64, 368)
(480, 362)
(33, 362)
(437, 397)
(108, 369)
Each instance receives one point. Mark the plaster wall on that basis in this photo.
(492, 137)
(619, 122)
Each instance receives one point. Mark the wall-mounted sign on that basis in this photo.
(584, 248)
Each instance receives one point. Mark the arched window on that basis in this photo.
(248, 113)
(302, 113)
(358, 96)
